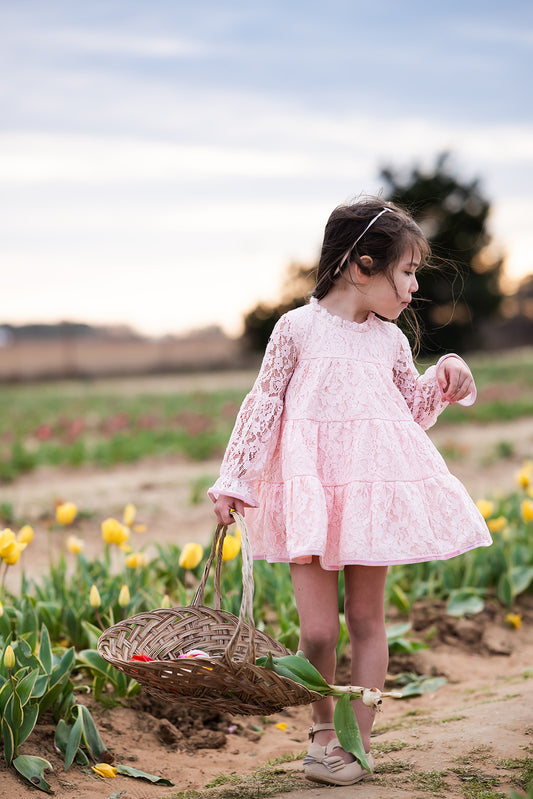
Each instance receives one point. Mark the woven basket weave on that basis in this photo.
(229, 680)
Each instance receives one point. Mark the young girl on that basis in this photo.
(330, 457)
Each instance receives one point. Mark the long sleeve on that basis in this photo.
(256, 429)
(421, 392)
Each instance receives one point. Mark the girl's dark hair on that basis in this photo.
(386, 241)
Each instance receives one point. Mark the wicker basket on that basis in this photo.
(229, 680)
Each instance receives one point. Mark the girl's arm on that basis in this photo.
(450, 380)
(255, 433)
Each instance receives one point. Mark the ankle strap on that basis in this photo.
(318, 727)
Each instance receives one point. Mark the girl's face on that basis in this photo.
(390, 294)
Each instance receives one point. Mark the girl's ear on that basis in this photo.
(363, 271)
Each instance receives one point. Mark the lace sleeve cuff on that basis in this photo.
(233, 487)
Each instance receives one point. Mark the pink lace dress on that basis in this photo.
(329, 450)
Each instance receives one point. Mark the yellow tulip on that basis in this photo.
(7, 537)
(524, 477)
(104, 770)
(1, 610)
(282, 725)
(129, 514)
(231, 547)
(526, 509)
(12, 552)
(75, 544)
(113, 532)
(497, 525)
(136, 560)
(191, 555)
(514, 619)
(124, 598)
(485, 507)
(66, 513)
(165, 602)
(9, 657)
(26, 534)
(94, 597)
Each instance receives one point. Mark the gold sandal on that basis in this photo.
(320, 765)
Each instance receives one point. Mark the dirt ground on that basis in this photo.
(475, 726)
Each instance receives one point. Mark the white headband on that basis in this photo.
(347, 253)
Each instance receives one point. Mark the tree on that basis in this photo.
(457, 295)
(463, 289)
(260, 321)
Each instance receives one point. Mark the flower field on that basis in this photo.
(49, 625)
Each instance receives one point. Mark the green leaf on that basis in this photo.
(505, 589)
(90, 734)
(93, 661)
(128, 771)
(26, 686)
(93, 633)
(347, 730)
(74, 740)
(64, 667)
(463, 601)
(522, 577)
(61, 741)
(45, 651)
(41, 685)
(397, 630)
(422, 685)
(9, 741)
(32, 769)
(31, 714)
(300, 670)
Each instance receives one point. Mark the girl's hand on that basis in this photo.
(455, 380)
(224, 504)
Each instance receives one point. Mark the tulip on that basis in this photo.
(94, 597)
(231, 547)
(1, 610)
(524, 477)
(194, 653)
(113, 532)
(104, 770)
(191, 555)
(526, 509)
(497, 525)
(142, 658)
(514, 619)
(7, 536)
(124, 598)
(66, 513)
(282, 725)
(485, 507)
(165, 602)
(26, 534)
(129, 514)
(75, 544)
(12, 551)
(136, 560)
(9, 657)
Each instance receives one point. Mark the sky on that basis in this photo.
(162, 163)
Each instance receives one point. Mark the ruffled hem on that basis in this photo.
(365, 523)
(306, 558)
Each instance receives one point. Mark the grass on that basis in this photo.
(78, 422)
(268, 780)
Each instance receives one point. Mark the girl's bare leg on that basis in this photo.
(317, 599)
(365, 618)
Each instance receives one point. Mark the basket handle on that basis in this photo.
(247, 602)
